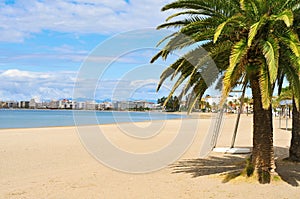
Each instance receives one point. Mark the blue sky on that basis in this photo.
(45, 43)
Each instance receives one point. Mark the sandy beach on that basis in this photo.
(53, 163)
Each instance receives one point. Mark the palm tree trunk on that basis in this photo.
(263, 152)
(295, 141)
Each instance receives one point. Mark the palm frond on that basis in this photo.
(197, 93)
(254, 29)
(271, 53)
(188, 12)
(291, 40)
(286, 16)
(235, 70)
(169, 71)
(265, 87)
(234, 19)
(175, 86)
(239, 50)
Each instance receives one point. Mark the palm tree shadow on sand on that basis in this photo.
(287, 170)
(231, 166)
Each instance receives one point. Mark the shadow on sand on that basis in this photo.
(286, 129)
(231, 166)
(287, 170)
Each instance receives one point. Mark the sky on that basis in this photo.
(48, 46)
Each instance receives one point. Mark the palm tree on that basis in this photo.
(294, 151)
(289, 93)
(247, 38)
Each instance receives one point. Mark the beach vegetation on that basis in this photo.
(170, 104)
(252, 43)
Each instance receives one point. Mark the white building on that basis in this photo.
(67, 104)
(53, 104)
(213, 100)
(91, 105)
(105, 106)
(32, 104)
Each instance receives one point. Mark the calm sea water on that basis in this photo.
(47, 118)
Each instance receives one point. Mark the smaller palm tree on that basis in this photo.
(294, 151)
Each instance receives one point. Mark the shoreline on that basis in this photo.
(61, 118)
(83, 125)
(195, 115)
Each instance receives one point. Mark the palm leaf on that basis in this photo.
(188, 12)
(176, 85)
(265, 87)
(235, 70)
(291, 40)
(239, 50)
(271, 53)
(286, 16)
(254, 29)
(197, 93)
(168, 72)
(220, 28)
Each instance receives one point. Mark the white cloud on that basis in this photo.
(20, 20)
(142, 83)
(25, 85)
(17, 74)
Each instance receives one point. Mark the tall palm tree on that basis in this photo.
(247, 38)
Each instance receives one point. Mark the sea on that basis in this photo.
(16, 118)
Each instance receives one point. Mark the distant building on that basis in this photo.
(87, 105)
(91, 106)
(233, 98)
(24, 104)
(139, 104)
(2, 104)
(32, 104)
(212, 100)
(11, 104)
(66, 104)
(105, 106)
(53, 104)
(42, 105)
(129, 105)
(150, 105)
(81, 105)
(124, 105)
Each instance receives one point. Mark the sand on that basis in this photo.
(53, 163)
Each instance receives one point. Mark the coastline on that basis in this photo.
(89, 125)
(27, 118)
(52, 163)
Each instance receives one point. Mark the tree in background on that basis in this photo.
(170, 105)
(294, 151)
